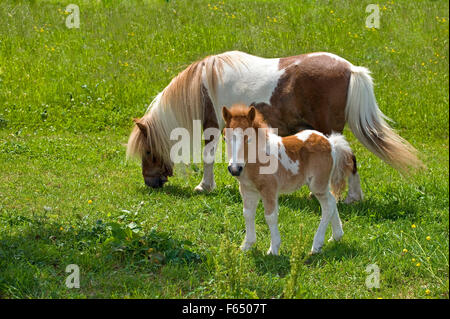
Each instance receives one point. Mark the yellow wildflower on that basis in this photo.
(428, 238)
(405, 250)
(90, 201)
(413, 226)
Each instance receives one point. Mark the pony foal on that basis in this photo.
(307, 157)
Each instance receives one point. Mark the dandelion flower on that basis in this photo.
(405, 250)
(60, 228)
(413, 226)
(427, 291)
(428, 238)
(413, 259)
(418, 264)
(90, 201)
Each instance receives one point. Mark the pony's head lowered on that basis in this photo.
(145, 144)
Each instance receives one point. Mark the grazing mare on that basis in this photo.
(320, 91)
(307, 158)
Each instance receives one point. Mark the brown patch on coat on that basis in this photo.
(312, 93)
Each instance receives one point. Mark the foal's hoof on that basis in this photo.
(203, 188)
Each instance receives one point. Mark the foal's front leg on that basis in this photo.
(250, 200)
(270, 200)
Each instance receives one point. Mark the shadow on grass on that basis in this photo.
(264, 263)
(175, 190)
(335, 251)
(97, 247)
(373, 209)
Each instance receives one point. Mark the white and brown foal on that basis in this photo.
(307, 158)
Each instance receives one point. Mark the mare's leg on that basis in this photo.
(270, 200)
(212, 135)
(250, 200)
(354, 186)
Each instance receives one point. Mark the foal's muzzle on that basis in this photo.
(235, 170)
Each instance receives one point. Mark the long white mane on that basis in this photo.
(179, 104)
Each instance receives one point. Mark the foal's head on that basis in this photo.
(241, 134)
(143, 143)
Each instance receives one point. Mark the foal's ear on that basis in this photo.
(226, 114)
(251, 114)
(141, 126)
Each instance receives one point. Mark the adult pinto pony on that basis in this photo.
(319, 91)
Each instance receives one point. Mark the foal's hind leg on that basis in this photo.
(329, 213)
(320, 189)
(354, 186)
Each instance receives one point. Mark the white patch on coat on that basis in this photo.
(251, 79)
(304, 135)
(331, 55)
(285, 160)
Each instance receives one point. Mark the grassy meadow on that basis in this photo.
(68, 195)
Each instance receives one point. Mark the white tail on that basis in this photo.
(368, 124)
(343, 163)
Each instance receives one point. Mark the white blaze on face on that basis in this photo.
(235, 145)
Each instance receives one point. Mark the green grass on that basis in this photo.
(66, 102)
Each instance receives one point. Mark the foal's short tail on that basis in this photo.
(344, 163)
(368, 124)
